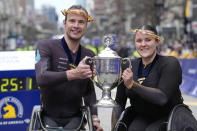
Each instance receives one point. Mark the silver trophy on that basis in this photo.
(108, 68)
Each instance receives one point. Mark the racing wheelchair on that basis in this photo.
(36, 123)
(180, 119)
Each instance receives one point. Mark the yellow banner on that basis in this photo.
(188, 9)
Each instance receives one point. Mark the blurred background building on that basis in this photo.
(21, 24)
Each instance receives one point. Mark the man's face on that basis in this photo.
(75, 25)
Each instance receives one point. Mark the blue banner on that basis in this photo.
(189, 85)
(189, 73)
(17, 73)
(189, 67)
(16, 108)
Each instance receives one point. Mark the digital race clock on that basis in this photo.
(17, 71)
(18, 84)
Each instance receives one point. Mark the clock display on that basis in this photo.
(18, 84)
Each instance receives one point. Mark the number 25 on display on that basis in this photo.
(6, 82)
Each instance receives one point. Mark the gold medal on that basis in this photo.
(140, 80)
(72, 66)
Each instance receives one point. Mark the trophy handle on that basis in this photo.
(90, 61)
(125, 63)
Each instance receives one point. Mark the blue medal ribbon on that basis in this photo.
(142, 76)
(68, 52)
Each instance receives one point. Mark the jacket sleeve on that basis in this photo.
(171, 77)
(44, 74)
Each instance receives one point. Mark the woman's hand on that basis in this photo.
(127, 77)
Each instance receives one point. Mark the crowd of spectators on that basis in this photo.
(179, 49)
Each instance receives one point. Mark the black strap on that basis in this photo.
(68, 52)
(147, 71)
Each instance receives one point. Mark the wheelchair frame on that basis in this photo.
(169, 123)
(36, 119)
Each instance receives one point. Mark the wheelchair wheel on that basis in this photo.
(182, 119)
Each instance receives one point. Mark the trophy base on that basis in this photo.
(106, 103)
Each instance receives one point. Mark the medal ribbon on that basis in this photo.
(142, 77)
(68, 52)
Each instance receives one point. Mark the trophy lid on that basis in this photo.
(107, 52)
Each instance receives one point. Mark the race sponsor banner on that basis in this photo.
(16, 108)
(189, 73)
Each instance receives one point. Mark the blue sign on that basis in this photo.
(97, 41)
(16, 108)
(20, 41)
(189, 73)
(18, 89)
(189, 67)
(189, 85)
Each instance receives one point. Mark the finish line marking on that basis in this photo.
(190, 103)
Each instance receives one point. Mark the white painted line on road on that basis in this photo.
(190, 103)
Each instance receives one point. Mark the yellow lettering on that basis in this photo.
(6, 82)
(14, 84)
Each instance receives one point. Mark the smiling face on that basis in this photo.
(146, 45)
(75, 24)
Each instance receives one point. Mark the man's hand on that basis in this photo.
(82, 71)
(97, 125)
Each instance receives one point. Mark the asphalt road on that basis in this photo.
(105, 113)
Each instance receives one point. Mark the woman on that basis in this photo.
(152, 85)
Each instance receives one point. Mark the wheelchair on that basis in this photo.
(180, 119)
(36, 123)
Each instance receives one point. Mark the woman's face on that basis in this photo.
(146, 45)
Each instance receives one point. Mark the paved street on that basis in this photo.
(105, 113)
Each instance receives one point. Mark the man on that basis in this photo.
(62, 75)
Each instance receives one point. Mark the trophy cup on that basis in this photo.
(108, 67)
